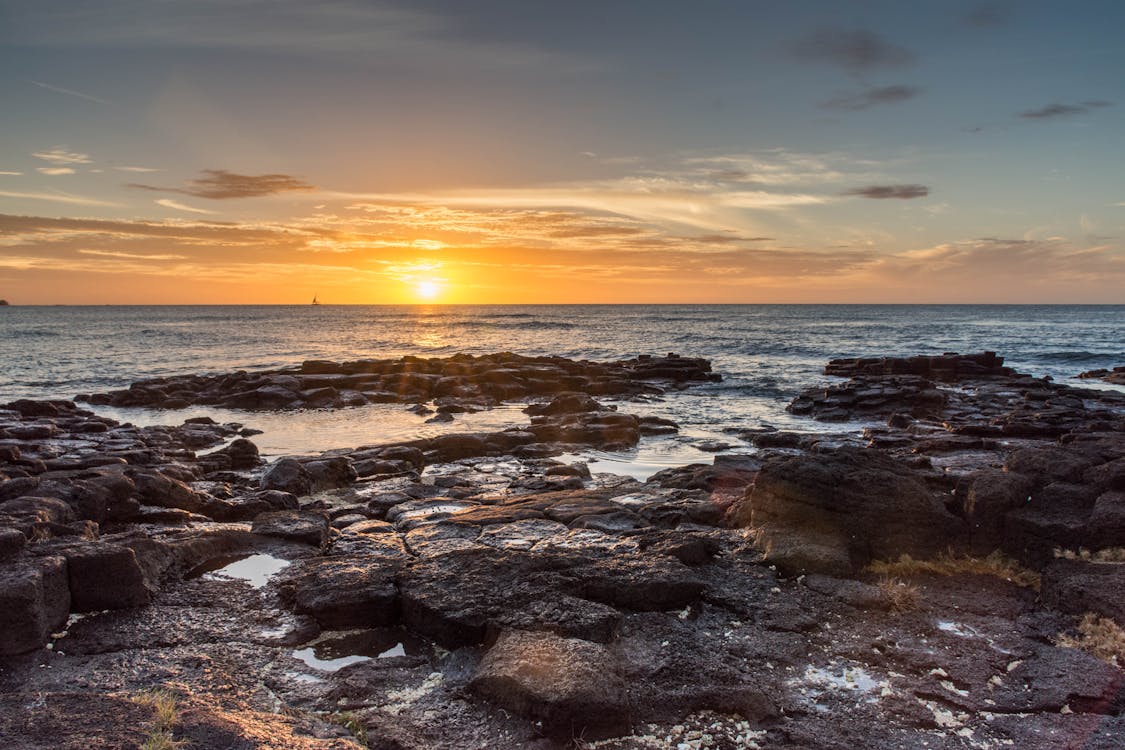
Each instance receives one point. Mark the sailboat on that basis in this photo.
(314, 300)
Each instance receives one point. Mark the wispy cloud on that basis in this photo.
(1063, 110)
(76, 200)
(873, 97)
(54, 170)
(176, 205)
(132, 256)
(889, 191)
(136, 169)
(854, 50)
(220, 184)
(69, 92)
(59, 155)
(10, 174)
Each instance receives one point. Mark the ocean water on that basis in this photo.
(765, 353)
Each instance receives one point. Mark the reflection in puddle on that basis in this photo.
(254, 569)
(336, 650)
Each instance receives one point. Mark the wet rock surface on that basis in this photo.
(469, 591)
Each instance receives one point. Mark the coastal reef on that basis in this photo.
(948, 572)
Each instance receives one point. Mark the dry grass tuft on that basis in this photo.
(1099, 636)
(898, 595)
(997, 564)
(353, 723)
(160, 737)
(1110, 554)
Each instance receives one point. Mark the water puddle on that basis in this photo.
(254, 569)
(333, 651)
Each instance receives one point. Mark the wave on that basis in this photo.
(1078, 356)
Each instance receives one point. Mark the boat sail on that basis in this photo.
(314, 300)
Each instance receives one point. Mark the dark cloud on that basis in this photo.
(219, 184)
(873, 97)
(1063, 110)
(890, 191)
(986, 16)
(855, 50)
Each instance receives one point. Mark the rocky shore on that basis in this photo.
(954, 577)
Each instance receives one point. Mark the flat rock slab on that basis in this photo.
(34, 601)
(573, 686)
(299, 526)
(341, 592)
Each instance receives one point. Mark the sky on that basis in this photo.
(525, 151)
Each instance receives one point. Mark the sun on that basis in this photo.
(427, 289)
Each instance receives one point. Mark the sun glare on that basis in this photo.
(427, 289)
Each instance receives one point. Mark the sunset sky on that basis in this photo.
(263, 151)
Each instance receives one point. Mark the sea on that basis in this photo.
(766, 354)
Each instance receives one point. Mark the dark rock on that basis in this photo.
(1046, 465)
(103, 576)
(985, 498)
(287, 475)
(572, 686)
(12, 542)
(307, 527)
(342, 592)
(1106, 527)
(835, 512)
(330, 473)
(642, 584)
(1079, 586)
(566, 403)
(34, 602)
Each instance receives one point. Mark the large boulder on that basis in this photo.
(835, 512)
(573, 687)
(34, 602)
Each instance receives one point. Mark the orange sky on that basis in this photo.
(385, 152)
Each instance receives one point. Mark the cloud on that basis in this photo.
(59, 155)
(11, 174)
(219, 184)
(986, 15)
(136, 169)
(854, 50)
(69, 92)
(54, 170)
(169, 203)
(1063, 110)
(890, 191)
(873, 97)
(75, 200)
(132, 256)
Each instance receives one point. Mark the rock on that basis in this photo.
(986, 496)
(250, 506)
(307, 527)
(1046, 465)
(1079, 586)
(287, 475)
(157, 489)
(342, 592)
(1106, 527)
(566, 403)
(461, 597)
(329, 473)
(240, 454)
(34, 602)
(835, 512)
(643, 584)
(103, 576)
(572, 686)
(12, 542)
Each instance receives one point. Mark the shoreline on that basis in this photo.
(738, 597)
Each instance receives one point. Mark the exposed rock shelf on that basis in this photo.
(727, 604)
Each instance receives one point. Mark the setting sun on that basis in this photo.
(427, 289)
